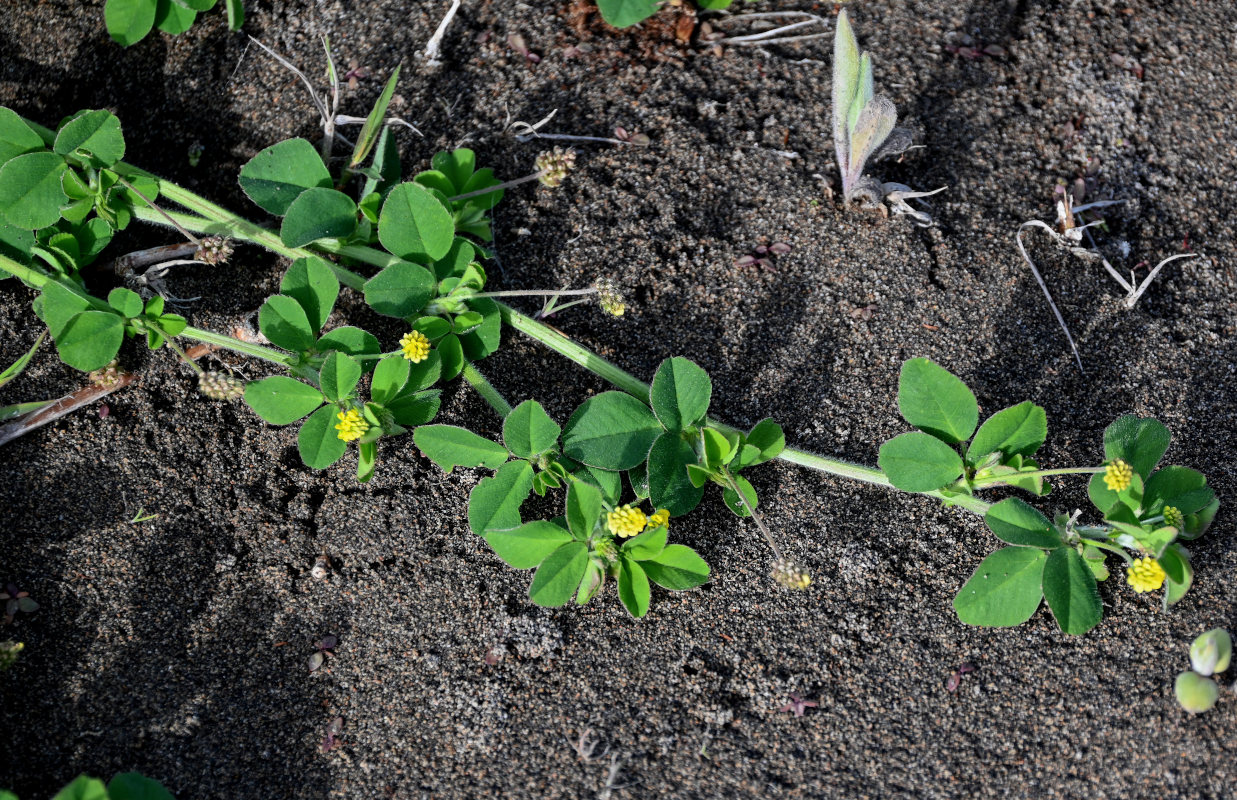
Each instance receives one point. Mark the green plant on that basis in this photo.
(122, 786)
(863, 122)
(129, 21)
(1210, 654)
(644, 443)
(625, 13)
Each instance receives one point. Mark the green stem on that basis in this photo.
(244, 348)
(486, 389)
(1039, 473)
(640, 390)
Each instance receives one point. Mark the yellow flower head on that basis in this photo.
(1117, 476)
(1146, 575)
(351, 425)
(790, 574)
(626, 521)
(611, 300)
(1174, 517)
(660, 518)
(415, 346)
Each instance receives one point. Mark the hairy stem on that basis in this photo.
(486, 389)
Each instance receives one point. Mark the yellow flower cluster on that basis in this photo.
(1146, 575)
(1174, 517)
(660, 519)
(415, 346)
(1117, 476)
(351, 425)
(626, 521)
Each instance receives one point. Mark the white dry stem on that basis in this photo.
(612, 773)
(775, 35)
(435, 42)
(896, 195)
(1043, 286)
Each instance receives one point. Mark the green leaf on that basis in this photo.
(135, 786)
(1016, 522)
(16, 137)
(450, 446)
(633, 587)
(918, 462)
(57, 305)
(83, 787)
(367, 459)
(16, 243)
(373, 123)
(452, 354)
(312, 283)
(935, 401)
(625, 13)
(719, 449)
(594, 578)
(128, 21)
(583, 508)
(173, 18)
(731, 498)
(389, 378)
(528, 431)
(282, 320)
(1069, 587)
(339, 376)
(1176, 561)
(765, 442)
(91, 340)
(93, 135)
(668, 482)
(275, 177)
(318, 213)
(281, 400)
(457, 166)
(680, 394)
(611, 431)
(610, 483)
(1015, 431)
(528, 545)
(350, 340)
(30, 190)
(1005, 590)
(126, 302)
(318, 440)
(845, 83)
(555, 581)
(698, 475)
(1139, 442)
(647, 545)
(414, 224)
(401, 290)
(494, 503)
(236, 14)
(485, 338)
(678, 567)
(1182, 488)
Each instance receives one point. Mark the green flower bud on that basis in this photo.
(1195, 693)
(1211, 652)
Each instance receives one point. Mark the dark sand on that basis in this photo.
(178, 647)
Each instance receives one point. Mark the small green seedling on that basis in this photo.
(122, 786)
(625, 13)
(863, 122)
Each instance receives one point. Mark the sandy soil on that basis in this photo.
(178, 646)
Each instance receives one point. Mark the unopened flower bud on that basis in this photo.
(1195, 693)
(1211, 652)
(611, 300)
(106, 377)
(8, 654)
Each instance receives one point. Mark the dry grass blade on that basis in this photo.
(1039, 279)
(65, 405)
